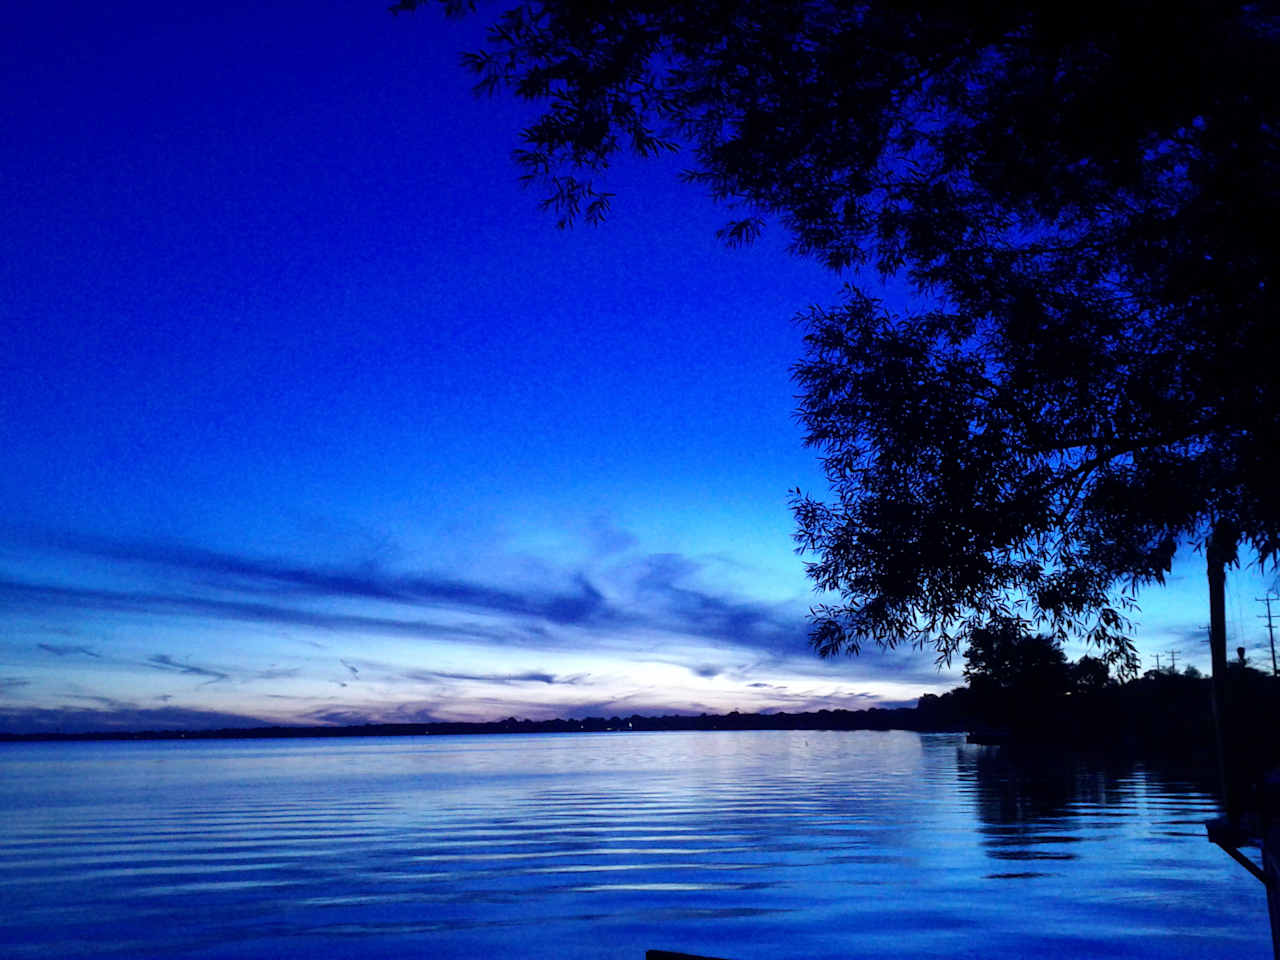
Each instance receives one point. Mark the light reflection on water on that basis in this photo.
(765, 845)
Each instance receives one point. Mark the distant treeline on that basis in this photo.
(1162, 712)
(876, 718)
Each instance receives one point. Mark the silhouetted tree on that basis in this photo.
(1089, 674)
(1084, 197)
(1003, 656)
(1015, 677)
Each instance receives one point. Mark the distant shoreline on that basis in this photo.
(876, 718)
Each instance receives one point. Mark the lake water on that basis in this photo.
(748, 845)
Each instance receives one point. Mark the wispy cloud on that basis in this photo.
(354, 716)
(608, 539)
(504, 679)
(277, 673)
(665, 582)
(44, 596)
(162, 661)
(256, 575)
(233, 587)
(652, 612)
(69, 649)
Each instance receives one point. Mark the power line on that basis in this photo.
(1271, 632)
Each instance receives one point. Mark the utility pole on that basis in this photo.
(1270, 632)
(1173, 657)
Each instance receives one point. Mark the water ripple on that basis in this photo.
(786, 845)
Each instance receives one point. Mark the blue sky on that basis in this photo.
(310, 415)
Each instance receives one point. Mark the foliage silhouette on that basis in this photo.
(1002, 655)
(1082, 197)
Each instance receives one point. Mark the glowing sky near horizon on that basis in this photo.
(310, 415)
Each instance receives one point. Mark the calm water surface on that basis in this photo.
(753, 845)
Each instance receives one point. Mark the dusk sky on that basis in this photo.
(310, 415)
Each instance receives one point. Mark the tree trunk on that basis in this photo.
(1216, 553)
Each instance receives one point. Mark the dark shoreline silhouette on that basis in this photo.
(876, 718)
(1163, 716)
